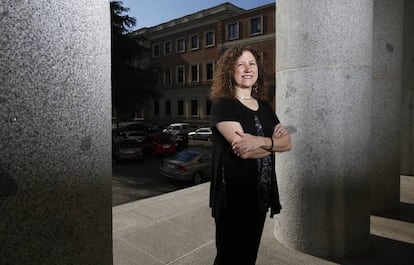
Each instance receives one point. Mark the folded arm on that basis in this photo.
(246, 145)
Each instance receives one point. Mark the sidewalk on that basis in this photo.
(177, 229)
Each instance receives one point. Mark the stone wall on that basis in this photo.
(55, 138)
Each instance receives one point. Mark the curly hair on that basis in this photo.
(224, 73)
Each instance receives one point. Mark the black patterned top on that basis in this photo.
(242, 185)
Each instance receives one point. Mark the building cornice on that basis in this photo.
(203, 17)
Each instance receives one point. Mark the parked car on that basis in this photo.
(188, 165)
(159, 144)
(181, 140)
(127, 149)
(201, 134)
(135, 135)
(132, 126)
(177, 128)
(179, 132)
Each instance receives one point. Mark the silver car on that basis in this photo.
(188, 165)
(201, 134)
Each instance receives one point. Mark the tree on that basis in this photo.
(132, 86)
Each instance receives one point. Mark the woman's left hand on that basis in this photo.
(279, 130)
(245, 143)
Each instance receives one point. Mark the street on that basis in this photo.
(135, 180)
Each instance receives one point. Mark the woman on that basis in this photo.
(246, 133)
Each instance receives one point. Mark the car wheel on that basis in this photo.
(197, 178)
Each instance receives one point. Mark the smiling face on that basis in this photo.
(246, 71)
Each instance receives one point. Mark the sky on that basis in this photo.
(150, 13)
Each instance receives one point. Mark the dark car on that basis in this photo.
(127, 149)
(181, 140)
(188, 165)
(159, 144)
(179, 132)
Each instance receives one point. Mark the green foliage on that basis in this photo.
(131, 85)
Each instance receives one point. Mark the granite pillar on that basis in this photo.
(407, 103)
(386, 104)
(323, 80)
(55, 137)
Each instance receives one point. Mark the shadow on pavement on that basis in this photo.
(384, 251)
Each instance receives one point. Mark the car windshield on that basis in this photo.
(185, 156)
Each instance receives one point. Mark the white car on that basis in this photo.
(177, 128)
(204, 133)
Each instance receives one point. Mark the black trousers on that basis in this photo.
(238, 237)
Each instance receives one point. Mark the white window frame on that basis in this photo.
(250, 26)
(165, 47)
(214, 38)
(197, 36)
(178, 46)
(237, 24)
(165, 77)
(153, 50)
(206, 71)
(191, 73)
(177, 74)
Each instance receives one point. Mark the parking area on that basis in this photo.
(137, 179)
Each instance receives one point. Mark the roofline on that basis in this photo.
(222, 8)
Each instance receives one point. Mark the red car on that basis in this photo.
(159, 144)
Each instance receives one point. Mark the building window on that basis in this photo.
(195, 73)
(180, 108)
(168, 107)
(167, 47)
(233, 31)
(156, 108)
(208, 107)
(180, 75)
(210, 39)
(194, 107)
(181, 45)
(256, 26)
(167, 77)
(155, 50)
(194, 43)
(209, 71)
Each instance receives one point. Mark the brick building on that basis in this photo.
(187, 48)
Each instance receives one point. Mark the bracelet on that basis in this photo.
(271, 147)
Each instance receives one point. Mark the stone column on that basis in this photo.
(386, 104)
(323, 80)
(55, 138)
(407, 103)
